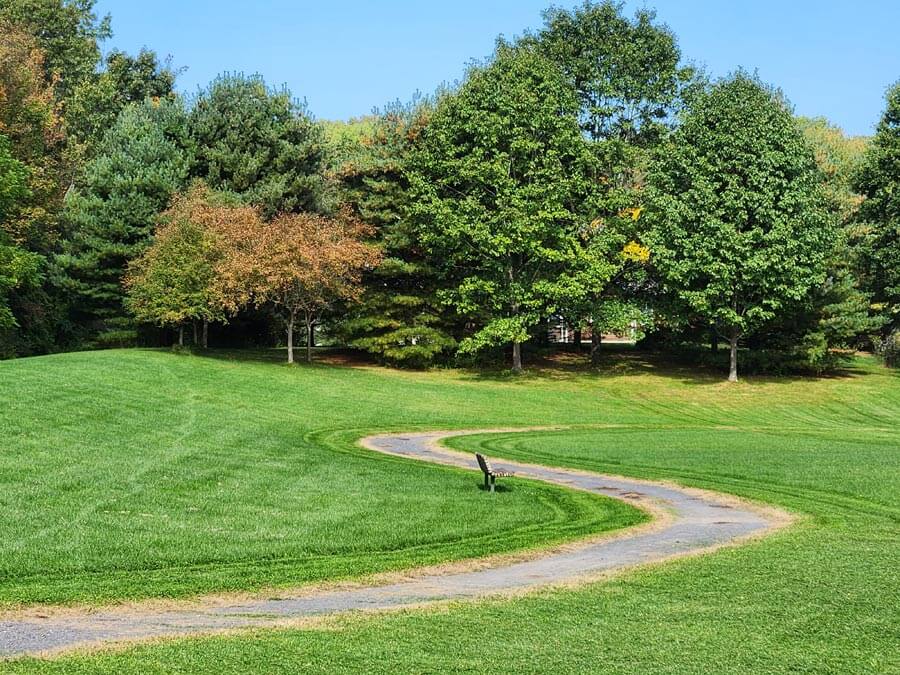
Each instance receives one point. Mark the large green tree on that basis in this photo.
(740, 228)
(501, 181)
(629, 80)
(140, 164)
(626, 71)
(68, 32)
(878, 180)
(398, 317)
(97, 101)
(18, 267)
(259, 143)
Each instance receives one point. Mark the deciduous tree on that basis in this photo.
(175, 280)
(740, 228)
(298, 263)
(501, 184)
(878, 180)
(68, 32)
(97, 101)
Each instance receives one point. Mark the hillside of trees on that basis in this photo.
(583, 174)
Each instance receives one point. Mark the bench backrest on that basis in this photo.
(483, 463)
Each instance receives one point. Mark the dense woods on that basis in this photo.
(582, 175)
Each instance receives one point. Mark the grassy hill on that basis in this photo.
(266, 455)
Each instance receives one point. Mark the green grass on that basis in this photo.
(821, 596)
(147, 474)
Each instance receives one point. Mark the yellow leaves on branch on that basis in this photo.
(634, 212)
(634, 252)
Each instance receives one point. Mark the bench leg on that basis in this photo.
(487, 482)
(493, 481)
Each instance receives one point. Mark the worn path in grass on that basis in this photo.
(686, 521)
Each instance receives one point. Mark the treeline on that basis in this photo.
(582, 173)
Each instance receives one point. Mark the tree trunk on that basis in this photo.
(596, 340)
(577, 333)
(714, 340)
(732, 372)
(290, 338)
(517, 357)
(309, 337)
(181, 336)
(196, 336)
(205, 334)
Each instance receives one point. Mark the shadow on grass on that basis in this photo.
(498, 488)
(623, 360)
(616, 361)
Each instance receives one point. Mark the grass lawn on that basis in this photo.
(822, 596)
(147, 474)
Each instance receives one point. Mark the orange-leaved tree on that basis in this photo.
(300, 263)
(175, 281)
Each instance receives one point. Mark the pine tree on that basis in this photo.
(258, 143)
(398, 317)
(142, 161)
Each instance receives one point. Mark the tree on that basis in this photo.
(629, 83)
(500, 181)
(625, 71)
(258, 143)
(398, 317)
(13, 180)
(298, 263)
(29, 118)
(739, 226)
(878, 180)
(97, 101)
(174, 281)
(18, 267)
(141, 163)
(838, 158)
(68, 32)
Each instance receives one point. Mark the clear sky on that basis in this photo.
(831, 57)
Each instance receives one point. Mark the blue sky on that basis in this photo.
(831, 57)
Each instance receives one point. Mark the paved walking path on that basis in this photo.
(687, 521)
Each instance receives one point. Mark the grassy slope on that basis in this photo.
(820, 597)
(130, 474)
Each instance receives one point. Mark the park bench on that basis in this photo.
(490, 474)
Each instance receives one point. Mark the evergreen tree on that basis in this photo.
(398, 317)
(142, 161)
(258, 143)
(878, 180)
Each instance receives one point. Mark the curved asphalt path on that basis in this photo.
(692, 521)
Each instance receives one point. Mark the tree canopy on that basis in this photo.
(739, 226)
(878, 180)
(502, 182)
(259, 143)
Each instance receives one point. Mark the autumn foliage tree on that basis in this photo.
(300, 264)
(174, 281)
